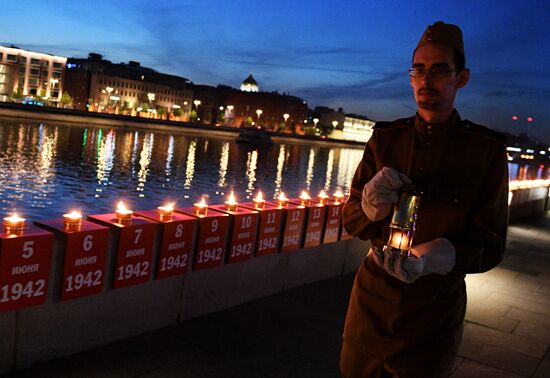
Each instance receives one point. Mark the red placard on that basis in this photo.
(271, 218)
(177, 240)
(334, 222)
(85, 253)
(24, 268)
(135, 249)
(210, 249)
(244, 228)
(314, 225)
(294, 226)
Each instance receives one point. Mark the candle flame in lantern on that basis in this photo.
(14, 218)
(231, 199)
(202, 203)
(304, 195)
(282, 197)
(338, 194)
(121, 207)
(168, 206)
(322, 194)
(259, 196)
(73, 215)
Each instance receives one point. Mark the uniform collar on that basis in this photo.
(435, 128)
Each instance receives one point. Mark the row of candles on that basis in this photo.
(14, 224)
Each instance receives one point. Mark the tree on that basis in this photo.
(281, 127)
(177, 112)
(193, 115)
(144, 107)
(66, 99)
(161, 110)
(17, 95)
(248, 121)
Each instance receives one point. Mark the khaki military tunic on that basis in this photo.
(415, 329)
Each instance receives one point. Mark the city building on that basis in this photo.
(250, 84)
(99, 85)
(224, 105)
(26, 73)
(357, 127)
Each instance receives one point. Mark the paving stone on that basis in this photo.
(476, 336)
(543, 371)
(496, 299)
(486, 315)
(532, 331)
(473, 369)
(502, 358)
(529, 317)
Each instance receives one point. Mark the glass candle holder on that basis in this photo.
(123, 214)
(403, 223)
(14, 224)
(72, 220)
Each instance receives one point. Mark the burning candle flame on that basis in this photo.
(304, 195)
(121, 207)
(231, 200)
(167, 207)
(259, 196)
(14, 218)
(338, 195)
(73, 215)
(282, 197)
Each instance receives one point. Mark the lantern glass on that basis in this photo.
(403, 223)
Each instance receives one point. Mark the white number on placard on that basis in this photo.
(138, 232)
(17, 290)
(246, 222)
(173, 262)
(214, 225)
(214, 254)
(88, 243)
(27, 249)
(295, 216)
(271, 217)
(82, 280)
(179, 230)
(316, 213)
(133, 270)
(335, 211)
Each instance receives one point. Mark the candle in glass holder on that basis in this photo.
(123, 214)
(283, 201)
(323, 197)
(338, 196)
(304, 198)
(399, 239)
(14, 224)
(72, 220)
(201, 207)
(259, 201)
(231, 204)
(165, 212)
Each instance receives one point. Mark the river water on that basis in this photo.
(48, 169)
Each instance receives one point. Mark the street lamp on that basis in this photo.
(197, 103)
(259, 113)
(315, 122)
(334, 124)
(285, 116)
(109, 91)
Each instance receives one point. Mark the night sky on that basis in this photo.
(350, 54)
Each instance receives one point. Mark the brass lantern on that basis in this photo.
(403, 222)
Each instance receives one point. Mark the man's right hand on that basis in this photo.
(380, 193)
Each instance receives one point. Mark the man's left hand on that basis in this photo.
(436, 256)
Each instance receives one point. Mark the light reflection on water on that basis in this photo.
(47, 170)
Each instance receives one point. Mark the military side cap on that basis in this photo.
(444, 34)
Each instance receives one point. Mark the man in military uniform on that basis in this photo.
(405, 316)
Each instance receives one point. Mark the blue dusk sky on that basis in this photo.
(350, 54)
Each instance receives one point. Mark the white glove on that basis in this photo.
(380, 193)
(436, 256)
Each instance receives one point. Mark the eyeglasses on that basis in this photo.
(435, 72)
